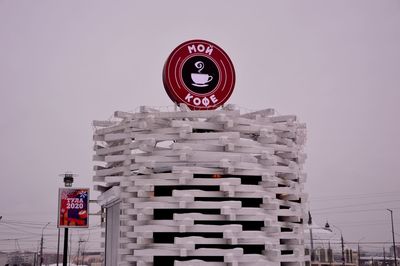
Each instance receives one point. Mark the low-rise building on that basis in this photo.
(328, 247)
(3, 258)
(21, 258)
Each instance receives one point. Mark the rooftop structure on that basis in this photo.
(202, 187)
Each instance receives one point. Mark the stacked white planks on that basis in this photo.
(205, 187)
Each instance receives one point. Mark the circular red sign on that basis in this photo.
(199, 74)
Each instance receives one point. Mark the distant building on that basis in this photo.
(89, 258)
(328, 256)
(86, 258)
(327, 249)
(377, 261)
(21, 258)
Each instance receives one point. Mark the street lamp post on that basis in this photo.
(394, 241)
(41, 245)
(359, 250)
(343, 259)
(384, 256)
(313, 256)
(341, 240)
(68, 180)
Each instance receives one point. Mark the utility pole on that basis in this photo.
(359, 254)
(41, 245)
(384, 256)
(41, 252)
(341, 240)
(343, 258)
(37, 254)
(394, 241)
(311, 237)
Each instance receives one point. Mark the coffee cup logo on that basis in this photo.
(200, 74)
(200, 79)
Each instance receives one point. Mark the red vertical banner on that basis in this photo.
(73, 207)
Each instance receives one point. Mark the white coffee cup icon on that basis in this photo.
(200, 79)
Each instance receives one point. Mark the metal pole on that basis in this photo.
(68, 180)
(37, 254)
(70, 249)
(341, 239)
(311, 237)
(65, 253)
(343, 258)
(312, 245)
(384, 256)
(394, 241)
(41, 245)
(359, 250)
(58, 246)
(41, 251)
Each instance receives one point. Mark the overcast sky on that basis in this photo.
(335, 64)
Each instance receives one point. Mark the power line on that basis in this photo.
(338, 242)
(350, 211)
(23, 234)
(28, 238)
(355, 205)
(353, 196)
(18, 230)
(24, 222)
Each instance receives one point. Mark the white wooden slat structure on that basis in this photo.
(202, 187)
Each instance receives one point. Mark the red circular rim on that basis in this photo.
(179, 92)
